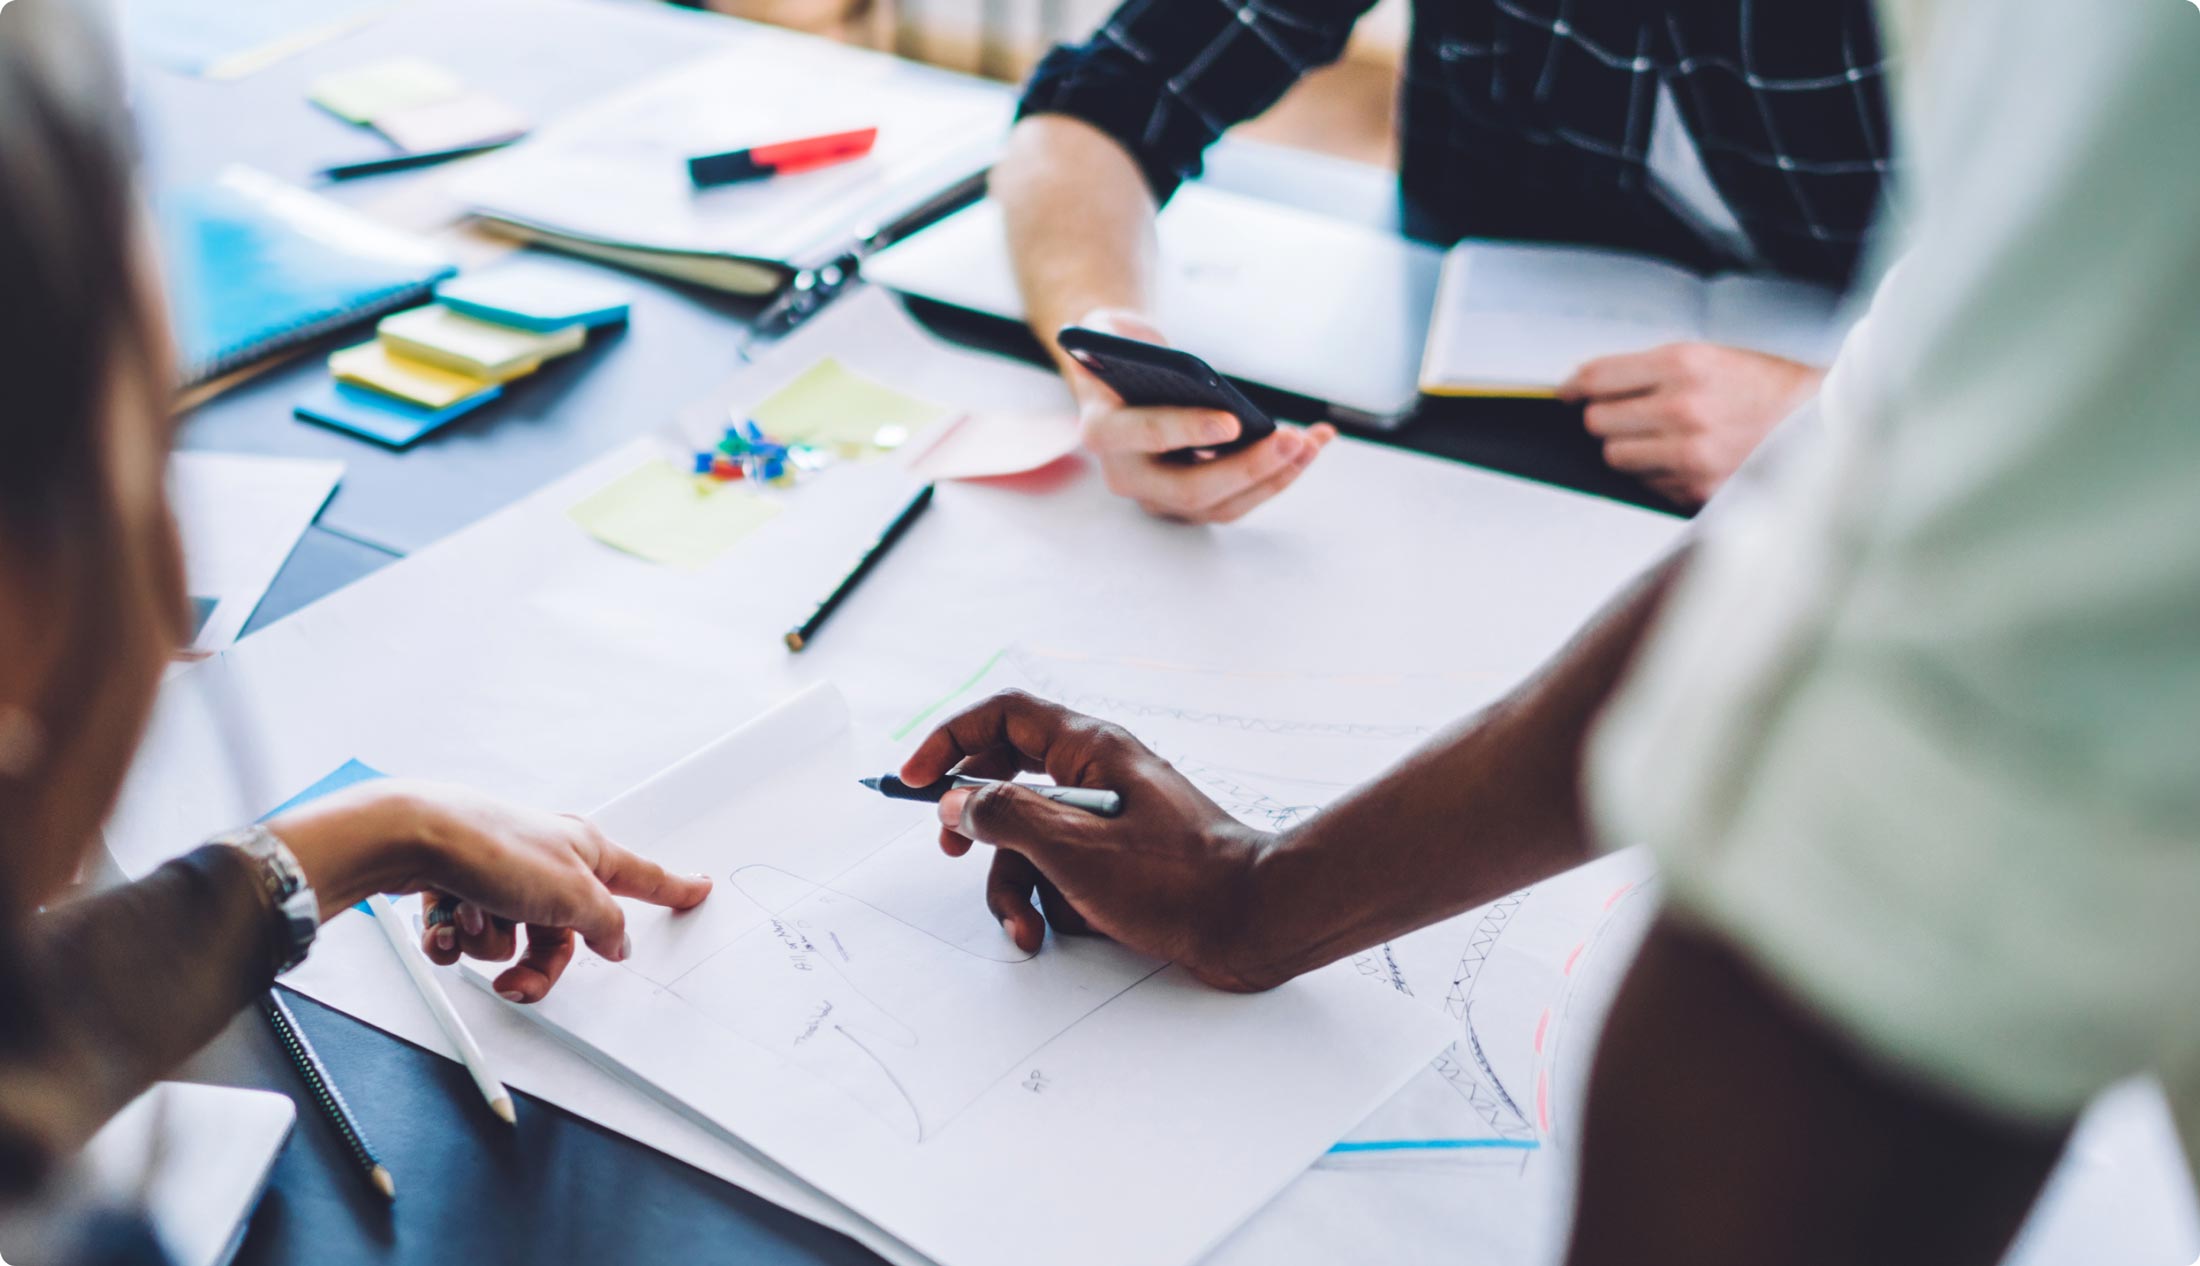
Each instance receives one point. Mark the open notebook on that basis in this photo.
(1516, 319)
(610, 181)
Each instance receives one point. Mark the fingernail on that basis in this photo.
(626, 947)
(512, 995)
(446, 937)
(469, 918)
(1009, 926)
(951, 808)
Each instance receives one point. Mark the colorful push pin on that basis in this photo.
(703, 463)
(724, 467)
(753, 431)
(774, 467)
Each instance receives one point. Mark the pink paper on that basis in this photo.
(986, 445)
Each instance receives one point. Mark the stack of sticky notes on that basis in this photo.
(430, 365)
(418, 105)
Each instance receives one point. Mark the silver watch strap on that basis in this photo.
(290, 896)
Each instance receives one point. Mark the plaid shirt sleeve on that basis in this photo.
(1166, 77)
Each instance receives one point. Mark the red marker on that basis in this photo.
(759, 161)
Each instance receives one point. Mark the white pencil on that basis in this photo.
(431, 992)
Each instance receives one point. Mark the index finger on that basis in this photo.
(1155, 430)
(628, 874)
(1012, 722)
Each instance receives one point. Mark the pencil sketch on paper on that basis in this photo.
(903, 996)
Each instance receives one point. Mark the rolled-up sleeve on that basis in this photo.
(1164, 78)
(1920, 732)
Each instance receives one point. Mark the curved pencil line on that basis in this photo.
(900, 1089)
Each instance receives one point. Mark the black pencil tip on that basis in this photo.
(872, 783)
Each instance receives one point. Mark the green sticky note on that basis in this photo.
(666, 515)
(831, 404)
(366, 93)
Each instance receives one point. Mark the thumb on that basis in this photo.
(1006, 815)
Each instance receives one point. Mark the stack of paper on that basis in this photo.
(432, 364)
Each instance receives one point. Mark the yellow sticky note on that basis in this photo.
(364, 93)
(450, 340)
(830, 404)
(430, 386)
(666, 515)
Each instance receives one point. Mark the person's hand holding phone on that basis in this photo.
(1132, 444)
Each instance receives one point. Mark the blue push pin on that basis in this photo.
(702, 463)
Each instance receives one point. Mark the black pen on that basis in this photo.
(1105, 804)
(399, 162)
(802, 636)
(325, 1094)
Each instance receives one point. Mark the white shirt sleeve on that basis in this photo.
(1920, 732)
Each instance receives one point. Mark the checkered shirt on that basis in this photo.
(1532, 118)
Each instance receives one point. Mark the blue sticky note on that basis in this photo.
(534, 297)
(348, 774)
(364, 411)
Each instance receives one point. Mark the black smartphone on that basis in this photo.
(1146, 375)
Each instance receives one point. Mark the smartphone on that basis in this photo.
(1147, 375)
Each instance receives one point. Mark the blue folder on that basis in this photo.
(256, 266)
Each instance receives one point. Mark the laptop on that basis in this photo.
(1329, 315)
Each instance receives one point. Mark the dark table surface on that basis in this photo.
(561, 1189)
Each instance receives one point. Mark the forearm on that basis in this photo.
(122, 986)
(1080, 223)
(1489, 807)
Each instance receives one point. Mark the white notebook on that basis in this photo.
(610, 180)
(1516, 319)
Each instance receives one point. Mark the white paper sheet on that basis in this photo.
(524, 658)
(846, 1003)
(240, 516)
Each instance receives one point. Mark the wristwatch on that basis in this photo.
(297, 911)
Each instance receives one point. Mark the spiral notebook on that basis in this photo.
(257, 266)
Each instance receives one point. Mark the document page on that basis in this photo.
(1515, 318)
(1794, 319)
(845, 1003)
